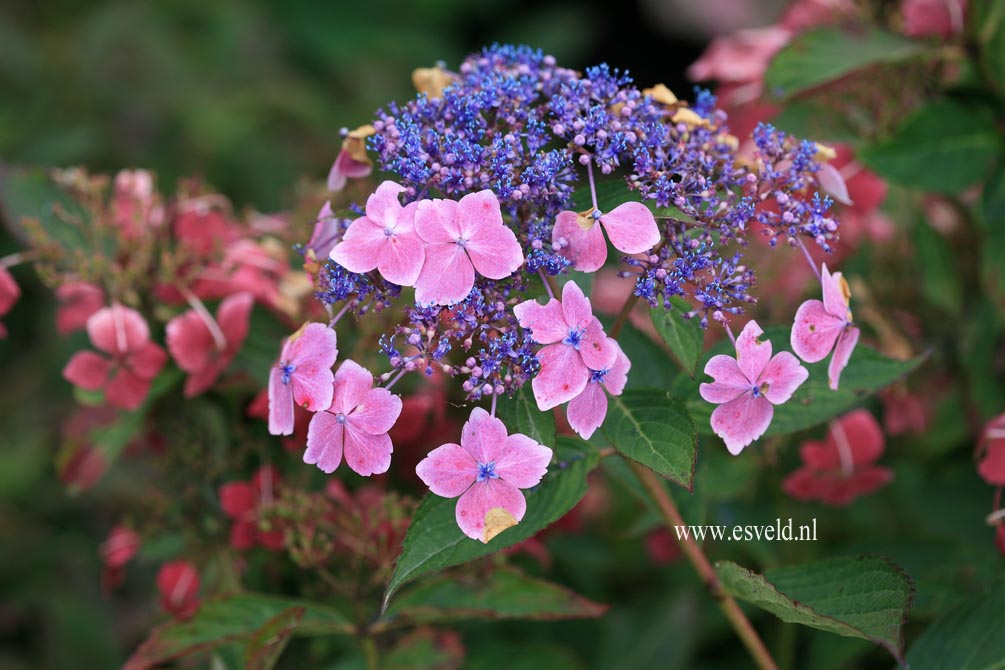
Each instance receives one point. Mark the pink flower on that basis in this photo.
(822, 326)
(203, 347)
(843, 467)
(992, 450)
(242, 501)
(356, 422)
(576, 344)
(202, 230)
(77, 302)
(384, 239)
(933, 18)
(748, 387)
(630, 226)
(487, 470)
(462, 237)
(303, 375)
(351, 161)
(10, 292)
(586, 412)
(132, 362)
(120, 547)
(740, 57)
(133, 202)
(326, 234)
(178, 583)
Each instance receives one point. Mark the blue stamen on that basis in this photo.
(287, 370)
(598, 376)
(486, 471)
(340, 417)
(574, 338)
(756, 390)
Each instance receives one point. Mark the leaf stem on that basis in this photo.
(370, 651)
(737, 619)
(622, 318)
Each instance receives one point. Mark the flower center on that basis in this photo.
(574, 337)
(287, 370)
(340, 417)
(757, 390)
(388, 231)
(598, 376)
(462, 243)
(487, 471)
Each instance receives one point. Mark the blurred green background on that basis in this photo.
(251, 95)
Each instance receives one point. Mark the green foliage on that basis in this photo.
(944, 147)
(971, 636)
(826, 54)
(866, 597)
(521, 415)
(684, 336)
(814, 402)
(252, 619)
(30, 193)
(434, 541)
(503, 594)
(656, 430)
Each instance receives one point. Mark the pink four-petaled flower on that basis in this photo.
(630, 226)
(487, 470)
(820, 327)
(130, 363)
(843, 467)
(355, 423)
(195, 347)
(747, 388)
(576, 345)
(460, 238)
(303, 375)
(586, 412)
(384, 239)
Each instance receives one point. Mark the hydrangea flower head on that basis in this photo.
(486, 471)
(747, 387)
(824, 326)
(843, 467)
(302, 375)
(204, 348)
(586, 412)
(384, 239)
(575, 345)
(355, 424)
(129, 360)
(462, 237)
(630, 226)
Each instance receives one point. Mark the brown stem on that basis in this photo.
(737, 619)
(622, 319)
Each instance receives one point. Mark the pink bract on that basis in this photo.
(384, 239)
(747, 387)
(9, 294)
(302, 376)
(587, 411)
(241, 501)
(355, 424)
(77, 302)
(820, 327)
(463, 237)
(992, 451)
(344, 168)
(843, 467)
(576, 344)
(178, 583)
(131, 361)
(486, 471)
(196, 350)
(630, 226)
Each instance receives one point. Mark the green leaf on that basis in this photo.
(504, 594)
(655, 430)
(827, 54)
(969, 637)
(684, 336)
(941, 279)
(992, 210)
(422, 649)
(863, 596)
(521, 415)
(814, 402)
(989, 18)
(31, 193)
(267, 643)
(944, 147)
(807, 118)
(434, 541)
(247, 617)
